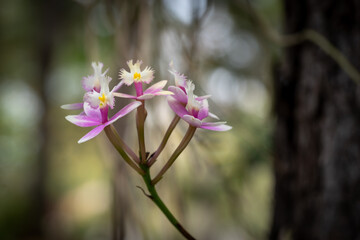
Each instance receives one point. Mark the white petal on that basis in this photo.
(147, 75)
(126, 77)
(134, 68)
(192, 120)
(213, 116)
(92, 98)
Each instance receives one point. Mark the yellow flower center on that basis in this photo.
(102, 99)
(137, 76)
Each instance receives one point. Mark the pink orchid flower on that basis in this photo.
(195, 110)
(92, 84)
(96, 117)
(97, 102)
(139, 77)
(180, 90)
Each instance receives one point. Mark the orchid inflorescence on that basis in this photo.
(98, 98)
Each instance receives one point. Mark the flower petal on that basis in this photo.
(213, 116)
(88, 83)
(147, 75)
(146, 96)
(213, 123)
(124, 95)
(179, 94)
(93, 113)
(134, 67)
(180, 79)
(202, 97)
(116, 87)
(72, 106)
(163, 93)
(82, 120)
(177, 106)
(93, 133)
(215, 126)
(204, 110)
(192, 120)
(156, 87)
(126, 77)
(125, 110)
(92, 98)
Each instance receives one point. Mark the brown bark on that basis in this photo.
(317, 136)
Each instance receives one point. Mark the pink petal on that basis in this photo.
(93, 113)
(151, 95)
(73, 106)
(177, 106)
(82, 120)
(163, 93)
(146, 96)
(117, 86)
(213, 116)
(156, 87)
(125, 110)
(204, 110)
(203, 97)
(124, 95)
(179, 94)
(213, 123)
(93, 133)
(215, 126)
(192, 120)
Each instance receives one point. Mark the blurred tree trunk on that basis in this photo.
(317, 137)
(39, 200)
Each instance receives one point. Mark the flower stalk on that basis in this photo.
(184, 142)
(154, 196)
(118, 143)
(140, 122)
(162, 145)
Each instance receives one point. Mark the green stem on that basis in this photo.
(172, 125)
(118, 144)
(185, 141)
(124, 146)
(140, 122)
(161, 205)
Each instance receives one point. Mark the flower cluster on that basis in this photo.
(98, 99)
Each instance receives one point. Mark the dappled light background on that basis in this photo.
(54, 188)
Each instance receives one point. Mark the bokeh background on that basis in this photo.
(221, 187)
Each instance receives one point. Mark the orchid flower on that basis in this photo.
(96, 104)
(139, 77)
(179, 90)
(92, 83)
(95, 117)
(195, 110)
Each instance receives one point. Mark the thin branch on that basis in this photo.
(147, 195)
(162, 145)
(127, 149)
(305, 35)
(185, 141)
(116, 142)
